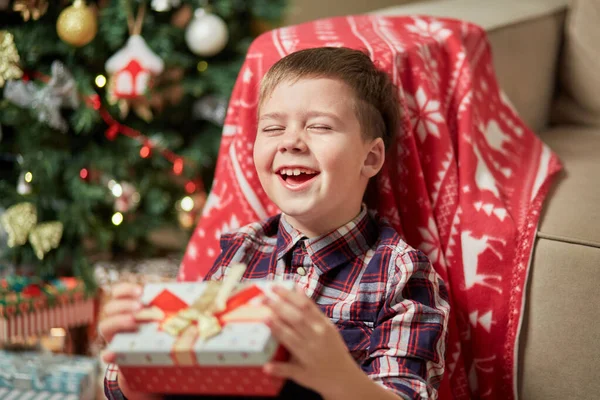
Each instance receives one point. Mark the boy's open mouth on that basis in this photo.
(297, 176)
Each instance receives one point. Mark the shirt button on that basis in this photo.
(301, 271)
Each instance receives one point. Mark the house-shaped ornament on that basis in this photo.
(132, 69)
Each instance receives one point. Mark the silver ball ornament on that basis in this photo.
(207, 34)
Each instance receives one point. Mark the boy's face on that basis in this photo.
(310, 155)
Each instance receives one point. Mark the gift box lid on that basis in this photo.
(238, 343)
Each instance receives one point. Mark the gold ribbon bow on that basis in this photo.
(20, 222)
(202, 312)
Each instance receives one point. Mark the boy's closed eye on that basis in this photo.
(320, 127)
(276, 129)
(273, 129)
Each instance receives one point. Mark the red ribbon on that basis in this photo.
(170, 304)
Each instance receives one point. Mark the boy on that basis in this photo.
(369, 317)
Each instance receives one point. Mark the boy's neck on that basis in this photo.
(320, 226)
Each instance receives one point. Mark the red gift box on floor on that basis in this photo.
(170, 355)
(33, 311)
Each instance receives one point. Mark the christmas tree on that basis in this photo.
(111, 115)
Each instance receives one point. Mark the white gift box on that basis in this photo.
(156, 361)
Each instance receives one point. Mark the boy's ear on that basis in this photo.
(374, 159)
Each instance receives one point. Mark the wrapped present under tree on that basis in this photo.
(35, 375)
(30, 306)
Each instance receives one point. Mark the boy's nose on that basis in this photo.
(292, 142)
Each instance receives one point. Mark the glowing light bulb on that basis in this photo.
(117, 218)
(202, 66)
(187, 203)
(100, 81)
(117, 190)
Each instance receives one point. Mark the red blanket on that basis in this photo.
(464, 183)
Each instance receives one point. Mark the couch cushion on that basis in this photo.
(525, 36)
(572, 211)
(559, 351)
(580, 81)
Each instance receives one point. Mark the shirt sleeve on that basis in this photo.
(234, 248)
(111, 384)
(407, 346)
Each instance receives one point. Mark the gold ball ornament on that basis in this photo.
(77, 24)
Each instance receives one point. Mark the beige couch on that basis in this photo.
(547, 83)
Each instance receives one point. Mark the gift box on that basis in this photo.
(181, 349)
(29, 375)
(31, 307)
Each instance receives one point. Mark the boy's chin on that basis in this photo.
(297, 208)
(295, 211)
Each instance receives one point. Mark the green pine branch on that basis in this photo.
(56, 159)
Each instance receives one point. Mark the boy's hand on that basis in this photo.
(119, 314)
(320, 360)
(119, 317)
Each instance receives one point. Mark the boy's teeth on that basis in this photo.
(295, 171)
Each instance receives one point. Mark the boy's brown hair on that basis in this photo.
(376, 97)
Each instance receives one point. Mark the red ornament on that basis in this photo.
(83, 174)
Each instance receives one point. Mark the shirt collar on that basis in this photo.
(334, 248)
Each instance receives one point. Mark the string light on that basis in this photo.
(178, 166)
(100, 81)
(28, 177)
(115, 188)
(190, 187)
(83, 174)
(117, 218)
(202, 66)
(58, 332)
(187, 204)
(115, 128)
(135, 198)
(145, 151)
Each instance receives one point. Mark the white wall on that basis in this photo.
(307, 10)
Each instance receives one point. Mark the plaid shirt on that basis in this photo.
(385, 298)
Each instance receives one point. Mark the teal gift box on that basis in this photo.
(57, 375)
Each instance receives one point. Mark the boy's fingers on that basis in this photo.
(282, 370)
(297, 297)
(126, 290)
(108, 357)
(290, 315)
(115, 324)
(284, 334)
(122, 306)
